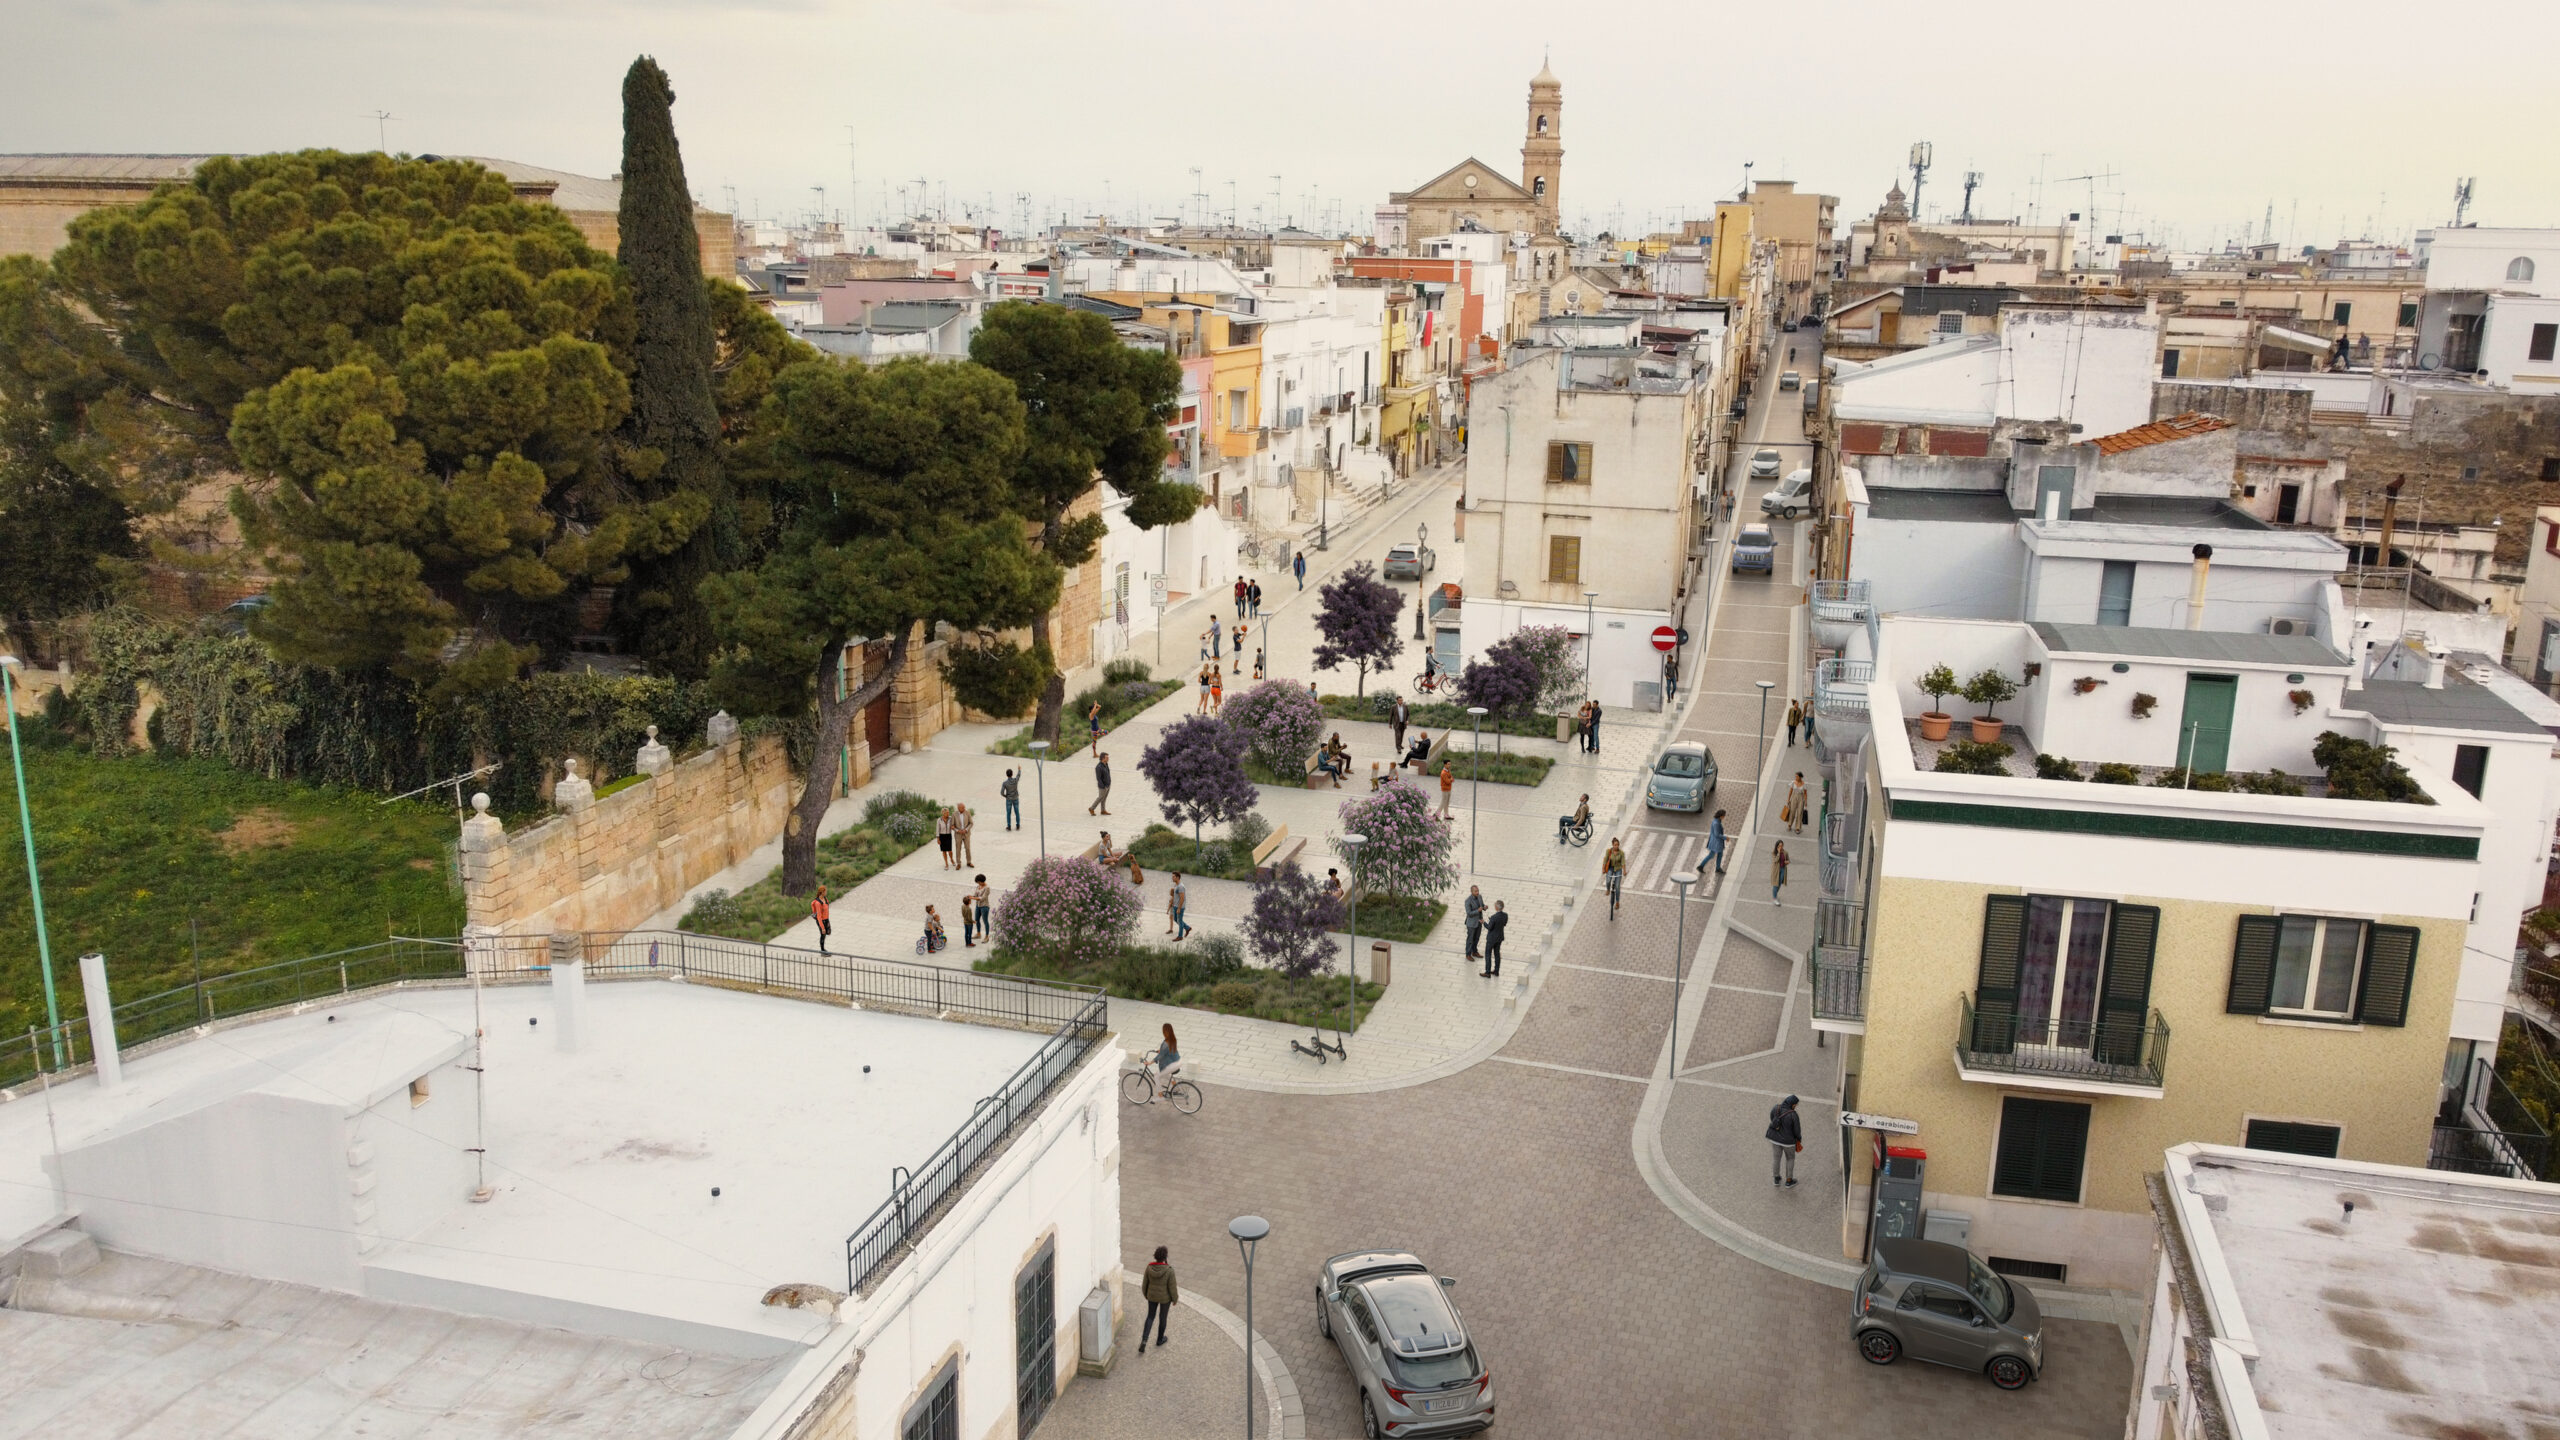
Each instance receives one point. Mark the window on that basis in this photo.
(1035, 1339)
(2168, 364)
(2545, 339)
(418, 1092)
(2293, 1138)
(1564, 559)
(2042, 1145)
(1542, 124)
(2340, 311)
(2408, 315)
(2322, 968)
(1538, 187)
(2115, 593)
(1239, 409)
(1568, 464)
(2470, 767)
(2520, 268)
(2551, 471)
(937, 1415)
(2061, 975)
(1950, 322)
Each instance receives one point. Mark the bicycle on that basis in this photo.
(1429, 682)
(1614, 879)
(1138, 1087)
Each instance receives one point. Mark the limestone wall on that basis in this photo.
(610, 864)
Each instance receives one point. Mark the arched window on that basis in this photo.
(1538, 188)
(2520, 268)
(1542, 124)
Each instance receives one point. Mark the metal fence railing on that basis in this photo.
(916, 1196)
(2107, 1049)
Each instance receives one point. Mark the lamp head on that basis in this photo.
(1248, 1228)
(1766, 685)
(1037, 746)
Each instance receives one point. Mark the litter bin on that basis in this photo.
(1381, 960)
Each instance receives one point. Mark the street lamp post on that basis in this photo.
(1351, 843)
(1679, 952)
(1421, 581)
(1765, 687)
(35, 885)
(1040, 769)
(1248, 1230)
(1475, 786)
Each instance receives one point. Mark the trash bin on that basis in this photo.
(1382, 958)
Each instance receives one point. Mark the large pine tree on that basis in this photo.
(671, 440)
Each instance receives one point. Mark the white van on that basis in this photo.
(1791, 496)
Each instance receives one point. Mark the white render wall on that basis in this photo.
(2506, 339)
(1931, 567)
(2477, 259)
(1622, 656)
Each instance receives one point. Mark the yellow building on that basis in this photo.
(1232, 341)
(1729, 249)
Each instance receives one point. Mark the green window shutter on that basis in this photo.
(2042, 1145)
(2390, 958)
(1995, 990)
(2124, 995)
(2294, 1138)
(2253, 965)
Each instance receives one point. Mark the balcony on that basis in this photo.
(1840, 691)
(1840, 966)
(1839, 854)
(2110, 1055)
(1839, 611)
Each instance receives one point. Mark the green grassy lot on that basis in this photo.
(1168, 975)
(845, 859)
(132, 850)
(1386, 917)
(1074, 731)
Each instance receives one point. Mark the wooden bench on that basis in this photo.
(1430, 763)
(1317, 777)
(1277, 849)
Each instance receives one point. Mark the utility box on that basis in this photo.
(1095, 1334)
(1382, 958)
(1952, 1227)
(1648, 695)
(1895, 1211)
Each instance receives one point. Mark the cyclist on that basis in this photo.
(1567, 824)
(1613, 871)
(1166, 1062)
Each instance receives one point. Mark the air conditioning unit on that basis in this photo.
(2287, 625)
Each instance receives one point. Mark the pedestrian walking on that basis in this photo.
(1257, 662)
(1786, 1141)
(1093, 726)
(1237, 664)
(1582, 726)
(1494, 925)
(942, 833)
(1798, 801)
(1253, 600)
(1475, 919)
(1011, 790)
(1101, 787)
(1448, 782)
(963, 824)
(1205, 672)
(818, 912)
(1397, 718)
(1715, 845)
(1217, 691)
(1808, 725)
(1795, 717)
(1161, 1293)
(982, 900)
(1240, 594)
(1298, 564)
(1778, 870)
(1591, 732)
(1175, 900)
(1217, 637)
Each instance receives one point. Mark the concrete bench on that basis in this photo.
(1277, 849)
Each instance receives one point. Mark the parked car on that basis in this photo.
(1408, 562)
(1791, 496)
(1934, 1301)
(1399, 1331)
(1790, 380)
(1682, 779)
(1755, 548)
(1764, 464)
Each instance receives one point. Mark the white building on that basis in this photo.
(645, 1200)
(2297, 1298)
(2492, 306)
(2085, 366)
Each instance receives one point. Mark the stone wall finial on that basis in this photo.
(655, 759)
(572, 793)
(722, 729)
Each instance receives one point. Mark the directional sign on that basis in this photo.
(1890, 1124)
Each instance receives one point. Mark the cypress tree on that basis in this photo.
(670, 450)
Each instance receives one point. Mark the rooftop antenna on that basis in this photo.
(1275, 202)
(1921, 154)
(821, 217)
(1971, 179)
(853, 177)
(382, 130)
(2461, 200)
(1745, 193)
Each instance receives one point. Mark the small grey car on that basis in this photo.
(1682, 779)
(1755, 547)
(1399, 1332)
(1406, 562)
(1934, 1301)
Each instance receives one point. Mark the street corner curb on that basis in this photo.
(1279, 1388)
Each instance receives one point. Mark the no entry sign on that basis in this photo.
(1664, 637)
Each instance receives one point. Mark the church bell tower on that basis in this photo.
(1542, 152)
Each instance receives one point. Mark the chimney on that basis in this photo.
(2195, 592)
(2436, 656)
(2390, 517)
(102, 1020)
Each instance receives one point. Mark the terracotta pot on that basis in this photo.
(1934, 723)
(1987, 728)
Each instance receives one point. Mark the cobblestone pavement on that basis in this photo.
(1199, 1376)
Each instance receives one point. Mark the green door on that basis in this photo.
(2204, 731)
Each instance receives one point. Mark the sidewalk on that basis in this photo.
(1193, 1385)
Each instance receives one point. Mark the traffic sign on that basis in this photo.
(1664, 637)
(1890, 1124)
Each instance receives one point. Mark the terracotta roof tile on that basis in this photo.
(2176, 427)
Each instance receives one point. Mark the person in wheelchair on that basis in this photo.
(1580, 819)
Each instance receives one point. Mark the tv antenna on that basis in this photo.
(1971, 179)
(2092, 212)
(2461, 200)
(382, 130)
(1921, 154)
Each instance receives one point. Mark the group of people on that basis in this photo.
(951, 830)
(1586, 726)
(976, 921)
(1484, 931)
(1799, 717)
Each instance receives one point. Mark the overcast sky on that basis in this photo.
(2349, 119)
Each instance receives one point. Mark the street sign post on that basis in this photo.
(1889, 1124)
(1664, 637)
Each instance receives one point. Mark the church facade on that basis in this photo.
(1474, 195)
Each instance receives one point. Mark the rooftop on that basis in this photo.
(2160, 432)
(2423, 1310)
(2221, 647)
(2462, 704)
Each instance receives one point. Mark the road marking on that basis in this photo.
(1748, 989)
(1604, 970)
(1573, 1070)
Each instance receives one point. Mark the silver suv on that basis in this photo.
(1934, 1301)
(1399, 1331)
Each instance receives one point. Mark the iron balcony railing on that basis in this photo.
(1840, 690)
(1839, 854)
(1840, 602)
(2486, 1130)
(1839, 959)
(2116, 1049)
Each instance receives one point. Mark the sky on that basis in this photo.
(2347, 120)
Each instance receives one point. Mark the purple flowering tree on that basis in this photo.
(1556, 657)
(1504, 682)
(1411, 852)
(1291, 925)
(1356, 613)
(1067, 910)
(1281, 724)
(1197, 769)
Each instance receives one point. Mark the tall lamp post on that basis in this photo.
(1040, 769)
(35, 885)
(1475, 786)
(1351, 843)
(1679, 953)
(1421, 580)
(1765, 687)
(1590, 637)
(1248, 1230)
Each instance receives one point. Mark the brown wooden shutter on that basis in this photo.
(2253, 965)
(1564, 559)
(1995, 987)
(2390, 959)
(2124, 994)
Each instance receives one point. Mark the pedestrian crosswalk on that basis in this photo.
(1654, 856)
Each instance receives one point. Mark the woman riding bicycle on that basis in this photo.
(1613, 871)
(1167, 1061)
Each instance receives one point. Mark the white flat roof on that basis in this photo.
(2425, 1312)
(604, 1161)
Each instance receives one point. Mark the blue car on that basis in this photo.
(1754, 548)
(1682, 778)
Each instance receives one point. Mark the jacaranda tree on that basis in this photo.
(1292, 923)
(1197, 769)
(1356, 613)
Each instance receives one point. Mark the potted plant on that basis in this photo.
(1987, 689)
(2085, 684)
(2143, 705)
(1938, 684)
(2301, 699)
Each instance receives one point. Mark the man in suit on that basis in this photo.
(1397, 720)
(1494, 925)
(1475, 918)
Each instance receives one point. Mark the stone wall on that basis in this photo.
(610, 864)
